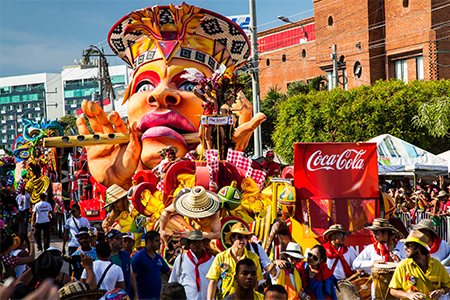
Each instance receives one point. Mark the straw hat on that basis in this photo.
(113, 194)
(425, 224)
(442, 194)
(237, 228)
(381, 224)
(294, 250)
(194, 235)
(77, 290)
(198, 203)
(417, 237)
(335, 228)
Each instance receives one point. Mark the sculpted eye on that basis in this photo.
(187, 86)
(144, 86)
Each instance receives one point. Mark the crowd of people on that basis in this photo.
(118, 266)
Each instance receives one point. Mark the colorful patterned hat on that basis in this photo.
(182, 31)
(198, 203)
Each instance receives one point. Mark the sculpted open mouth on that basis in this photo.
(169, 124)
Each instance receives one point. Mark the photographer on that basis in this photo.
(281, 271)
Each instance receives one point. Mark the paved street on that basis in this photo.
(56, 242)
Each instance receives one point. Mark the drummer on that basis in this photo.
(384, 249)
(340, 257)
(439, 248)
(419, 276)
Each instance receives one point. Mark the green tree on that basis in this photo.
(358, 115)
(269, 106)
(69, 123)
(435, 116)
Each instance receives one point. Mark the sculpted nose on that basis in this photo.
(163, 97)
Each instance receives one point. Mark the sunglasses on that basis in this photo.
(241, 237)
(313, 256)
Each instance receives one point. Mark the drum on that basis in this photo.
(382, 275)
(355, 288)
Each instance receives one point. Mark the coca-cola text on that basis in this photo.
(349, 159)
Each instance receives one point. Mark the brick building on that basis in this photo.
(375, 39)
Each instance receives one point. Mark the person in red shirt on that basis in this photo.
(270, 167)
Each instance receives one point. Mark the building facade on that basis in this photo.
(375, 39)
(33, 97)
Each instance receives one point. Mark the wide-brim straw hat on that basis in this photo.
(198, 203)
(381, 224)
(113, 194)
(76, 290)
(442, 194)
(335, 228)
(238, 228)
(417, 237)
(294, 250)
(194, 235)
(427, 225)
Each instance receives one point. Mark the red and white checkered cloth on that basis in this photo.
(160, 186)
(243, 163)
(190, 156)
(212, 157)
(232, 156)
(210, 153)
(257, 175)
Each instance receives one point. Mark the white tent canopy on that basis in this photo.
(397, 157)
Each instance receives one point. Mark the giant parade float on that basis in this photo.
(188, 126)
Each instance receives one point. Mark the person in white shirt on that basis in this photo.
(108, 276)
(384, 249)
(439, 248)
(23, 201)
(340, 257)
(41, 221)
(191, 267)
(71, 229)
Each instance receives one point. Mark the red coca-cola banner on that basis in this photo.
(336, 170)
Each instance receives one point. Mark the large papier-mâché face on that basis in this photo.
(164, 106)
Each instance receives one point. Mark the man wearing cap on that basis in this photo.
(190, 268)
(269, 166)
(439, 248)
(286, 273)
(202, 207)
(419, 276)
(128, 243)
(340, 257)
(442, 199)
(72, 227)
(224, 266)
(123, 260)
(84, 239)
(148, 266)
(384, 248)
(161, 104)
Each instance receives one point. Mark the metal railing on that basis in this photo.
(442, 224)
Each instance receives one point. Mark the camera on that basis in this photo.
(288, 265)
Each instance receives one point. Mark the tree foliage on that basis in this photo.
(358, 115)
(69, 124)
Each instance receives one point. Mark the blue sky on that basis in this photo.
(43, 36)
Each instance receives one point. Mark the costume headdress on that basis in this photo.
(185, 31)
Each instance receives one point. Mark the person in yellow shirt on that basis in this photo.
(223, 268)
(419, 276)
(245, 279)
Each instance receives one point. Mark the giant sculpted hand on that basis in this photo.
(247, 122)
(110, 164)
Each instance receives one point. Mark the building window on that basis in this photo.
(330, 21)
(419, 64)
(78, 82)
(267, 62)
(303, 53)
(19, 88)
(401, 70)
(357, 69)
(118, 79)
(283, 58)
(405, 3)
(5, 90)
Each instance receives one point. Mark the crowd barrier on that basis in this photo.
(442, 224)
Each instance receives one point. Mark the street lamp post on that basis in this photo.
(255, 77)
